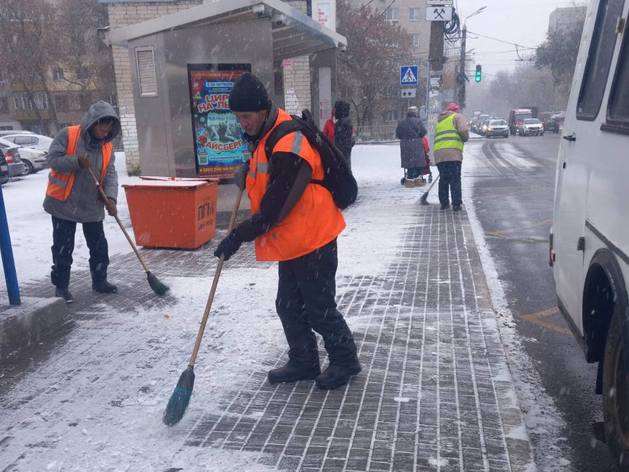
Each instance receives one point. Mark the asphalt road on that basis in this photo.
(513, 194)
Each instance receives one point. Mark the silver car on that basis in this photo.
(33, 149)
(11, 157)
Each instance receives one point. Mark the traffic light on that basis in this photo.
(479, 73)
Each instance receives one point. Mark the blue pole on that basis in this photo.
(8, 263)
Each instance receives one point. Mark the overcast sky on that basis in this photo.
(524, 22)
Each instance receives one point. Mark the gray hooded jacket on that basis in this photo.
(83, 204)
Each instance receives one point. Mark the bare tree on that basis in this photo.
(375, 51)
(82, 52)
(25, 32)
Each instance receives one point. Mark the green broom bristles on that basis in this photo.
(158, 287)
(179, 400)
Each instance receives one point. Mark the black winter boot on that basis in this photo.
(104, 287)
(336, 375)
(293, 371)
(445, 206)
(64, 293)
(456, 207)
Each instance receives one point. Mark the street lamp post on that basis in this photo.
(462, 77)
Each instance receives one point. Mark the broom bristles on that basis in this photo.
(158, 287)
(179, 400)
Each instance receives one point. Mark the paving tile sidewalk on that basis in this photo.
(435, 392)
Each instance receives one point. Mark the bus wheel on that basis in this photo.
(616, 393)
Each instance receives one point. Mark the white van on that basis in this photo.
(589, 247)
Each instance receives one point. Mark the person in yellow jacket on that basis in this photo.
(295, 222)
(450, 134)
(72, 196)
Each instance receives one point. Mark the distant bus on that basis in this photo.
(517, 116)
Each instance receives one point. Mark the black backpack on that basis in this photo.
(338, 177)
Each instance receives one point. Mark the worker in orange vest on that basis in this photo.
(296, 222)
(73, 197)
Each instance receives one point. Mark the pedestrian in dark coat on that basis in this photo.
(72, 196)
(410, 131)
(343, 130)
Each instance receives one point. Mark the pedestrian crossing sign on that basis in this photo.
(408, 75)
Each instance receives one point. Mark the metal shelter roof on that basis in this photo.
(294, 33)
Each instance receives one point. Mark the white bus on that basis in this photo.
(589, 246)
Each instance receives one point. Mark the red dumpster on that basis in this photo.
(172, 213)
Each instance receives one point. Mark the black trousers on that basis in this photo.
(414, 172)
(305, 302)
(63, 232)
(450, 182)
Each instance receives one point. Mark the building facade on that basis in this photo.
(563, 19)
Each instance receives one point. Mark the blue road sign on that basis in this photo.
(408, 75)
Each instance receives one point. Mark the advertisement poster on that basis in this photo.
(218, 146)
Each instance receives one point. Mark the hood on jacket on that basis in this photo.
(444, 115)
(341, 109)
(96, 112)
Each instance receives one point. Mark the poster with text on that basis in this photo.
(218, 144)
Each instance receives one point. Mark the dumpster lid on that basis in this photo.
(167, 183)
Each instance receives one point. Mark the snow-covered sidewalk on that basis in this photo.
(435, 392)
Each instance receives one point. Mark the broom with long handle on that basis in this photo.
(158, 287)
(424, 199)
(180, 398)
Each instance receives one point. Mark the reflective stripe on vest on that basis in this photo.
(60, 183)
(447, 136)
(313, 222)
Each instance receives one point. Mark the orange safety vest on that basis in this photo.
(313, 222)
(60, 183)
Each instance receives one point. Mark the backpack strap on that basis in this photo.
(283, 129)
(278, 133)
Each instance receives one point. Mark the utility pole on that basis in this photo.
(461, 78)
(435, 71)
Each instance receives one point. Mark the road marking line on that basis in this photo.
(536, 318)
(508, 230)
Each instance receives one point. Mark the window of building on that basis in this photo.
(413, 14)
(599, 59)
(390, 116)
(21, 102)
(416, 39)
(392, 14)
(57, 74)
(41, 101)
(4, 105)
(618, 105)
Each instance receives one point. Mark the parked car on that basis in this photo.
(33, 149)
(30, 140)
(497, 128)
(530, 127)
(589, 247)
(550, 124)
(11, 155)
(7, 132)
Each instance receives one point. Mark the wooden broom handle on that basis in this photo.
(219, 267)
(135, 249)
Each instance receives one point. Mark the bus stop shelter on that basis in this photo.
(183, 66)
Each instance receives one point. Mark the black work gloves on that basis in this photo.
(240, 176)
(228, 246)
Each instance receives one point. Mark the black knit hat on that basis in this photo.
(248, 94)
